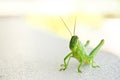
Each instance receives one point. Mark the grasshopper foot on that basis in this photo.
(79, 71)
(62, 69)
(62, 65)
(96, 66)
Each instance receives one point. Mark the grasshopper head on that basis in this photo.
(73, 42)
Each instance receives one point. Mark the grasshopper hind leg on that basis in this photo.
(94, 52)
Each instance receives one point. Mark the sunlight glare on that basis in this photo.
(55, 7)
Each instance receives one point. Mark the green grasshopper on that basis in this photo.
(78, 51)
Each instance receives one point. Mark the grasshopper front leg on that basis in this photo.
(66, 62)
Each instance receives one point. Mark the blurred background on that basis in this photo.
(96, 19)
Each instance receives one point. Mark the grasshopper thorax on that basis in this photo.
(73, 42)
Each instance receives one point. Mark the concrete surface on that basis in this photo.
(31, 54)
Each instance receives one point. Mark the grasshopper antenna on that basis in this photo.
(74, 26)
(66, 26)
